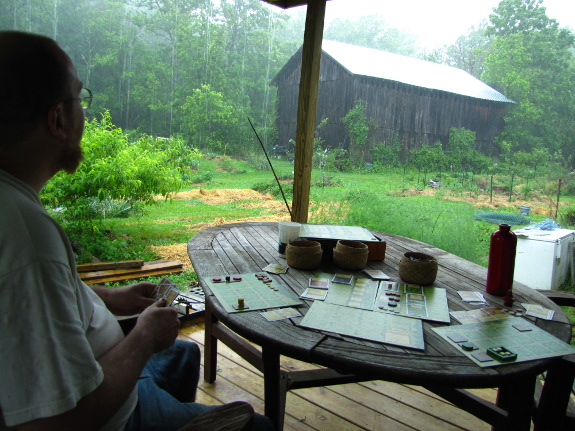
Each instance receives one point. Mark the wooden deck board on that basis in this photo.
(373, 406)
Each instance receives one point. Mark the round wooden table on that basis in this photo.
(248, 247)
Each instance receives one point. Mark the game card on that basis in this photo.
(342, 279)
(471, 296)
(315, 294)
(319, 282)
(538, 311)
(162, 288)
(376, 274)
(281, 314)
(167, 290)
(274, 268)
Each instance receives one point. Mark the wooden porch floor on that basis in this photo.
(372, 406)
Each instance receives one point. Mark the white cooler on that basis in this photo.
(543, 258)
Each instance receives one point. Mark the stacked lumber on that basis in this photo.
(103, 272)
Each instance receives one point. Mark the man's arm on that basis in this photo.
(156, 330)
(127, 300)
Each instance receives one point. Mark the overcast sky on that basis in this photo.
(437, 22)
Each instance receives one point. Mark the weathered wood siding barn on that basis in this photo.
(412, 101)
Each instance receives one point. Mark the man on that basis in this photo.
(66, 364)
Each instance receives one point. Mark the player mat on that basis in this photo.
(410, 300)
(253, 291)
(503, 341)
(360, 294)
(365, 324)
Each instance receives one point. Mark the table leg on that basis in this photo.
(555, 395)
(210, 347)
(517, 399)
(275, 387)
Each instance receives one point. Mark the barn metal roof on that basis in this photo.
(371, 62)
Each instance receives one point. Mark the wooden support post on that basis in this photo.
(306, 113)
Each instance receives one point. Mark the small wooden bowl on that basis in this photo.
(304, 254)
(350, 255)
(418, 268)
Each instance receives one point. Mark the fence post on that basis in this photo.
(511, 187)
(558, 193)
(491, 191)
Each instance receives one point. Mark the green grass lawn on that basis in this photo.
(391, 201)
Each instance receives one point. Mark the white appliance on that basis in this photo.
(543, 258)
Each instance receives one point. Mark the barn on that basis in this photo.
(410, 101)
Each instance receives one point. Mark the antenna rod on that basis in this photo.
(270, 163)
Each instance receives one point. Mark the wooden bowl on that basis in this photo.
(418, 268)
(304, 254)
(351, 255)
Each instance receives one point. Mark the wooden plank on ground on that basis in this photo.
(157, 267)
(99, 266)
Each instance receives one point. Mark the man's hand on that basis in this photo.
(127, 300)
(159, 325)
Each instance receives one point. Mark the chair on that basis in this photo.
(554, 404)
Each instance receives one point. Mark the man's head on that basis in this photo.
(39, 88)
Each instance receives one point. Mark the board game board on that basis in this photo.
(515, 334)
(421, 302)
(324, 231)
(365, 324)
(254, 291)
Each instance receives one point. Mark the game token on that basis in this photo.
(468, 346)
(501, 354)
(392, 304)
(241, 303)
(216, 279)
(457, 338)
(228, 278)
(237, 278)
(482, 357)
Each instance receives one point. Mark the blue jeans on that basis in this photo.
(167, 389)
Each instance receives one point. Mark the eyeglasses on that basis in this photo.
(85, 98)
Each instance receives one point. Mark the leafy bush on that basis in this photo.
(205, 177)
(113, 169)
(386, 155)
(272, 188)
(568, 216)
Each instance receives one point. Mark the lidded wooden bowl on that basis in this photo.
(418, 268)
(304, 254)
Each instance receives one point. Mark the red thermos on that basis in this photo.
(501, 261)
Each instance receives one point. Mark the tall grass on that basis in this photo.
(446, 225)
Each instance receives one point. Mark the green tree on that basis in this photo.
(373, 32)
(532, 62)
(209, 119)
(460, 154)
(357, 125)
(469, 51)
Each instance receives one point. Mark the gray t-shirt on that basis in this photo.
(53, 327)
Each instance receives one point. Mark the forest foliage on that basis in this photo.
(199, 68)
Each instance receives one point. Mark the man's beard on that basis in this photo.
(71, 158)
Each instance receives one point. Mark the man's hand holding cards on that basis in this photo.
(167, 290)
